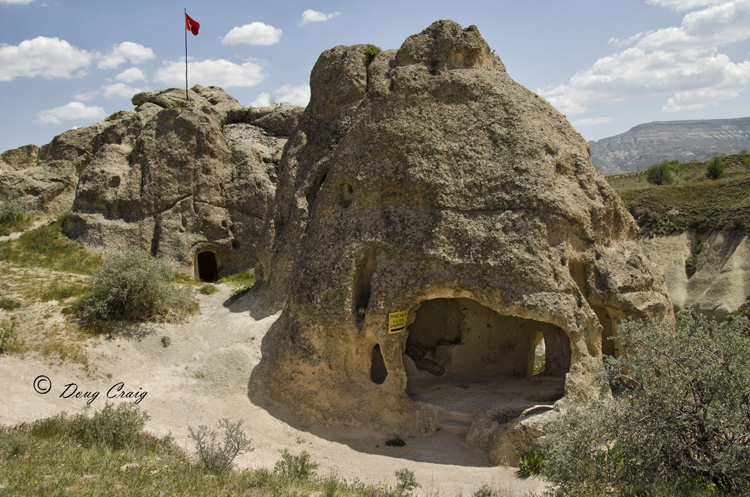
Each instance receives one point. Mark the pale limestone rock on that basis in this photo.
(191, 182)
(430, 182)
(721, 282)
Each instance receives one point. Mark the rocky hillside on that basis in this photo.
(696, 230)
(648, 144)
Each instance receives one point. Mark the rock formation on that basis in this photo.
(45, 178)
(426, 180)
(190, 183)
(721, 282)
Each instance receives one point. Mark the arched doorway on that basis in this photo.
(208, 270)
(465, 357)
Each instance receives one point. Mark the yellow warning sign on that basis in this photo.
(397, 322)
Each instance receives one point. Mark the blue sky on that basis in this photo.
(607, 65)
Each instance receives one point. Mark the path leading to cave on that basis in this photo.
(202, 376)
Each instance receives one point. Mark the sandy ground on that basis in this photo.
(202, 376)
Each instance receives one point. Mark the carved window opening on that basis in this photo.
(378, 371)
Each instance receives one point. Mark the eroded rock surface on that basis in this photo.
(44, 178)
(181, 180)
(721, 281)
(428, 181)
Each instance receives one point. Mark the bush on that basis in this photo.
(484, 491)
(207, 290)
(680, 420)
(370, 51)
(13, 213)
(218, 456)
(660, 174)
(113, 427)
(396, 441)
(7, 334)
(133, 286)
(715, 168)
(405, 481)
(530, 463)
(298, 468)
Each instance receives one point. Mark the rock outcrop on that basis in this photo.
(720, 283)
(426, 185)
(191, 183)
(45, 177)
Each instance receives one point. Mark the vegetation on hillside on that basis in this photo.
(14, 215)
(693, 201)
(108, 453)
(46, 247)
(678, 424)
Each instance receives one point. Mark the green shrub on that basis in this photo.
(680, 419)
(405, 481)
(113, 427)
(715, 168)
(7, 334)
(133, 286)
(207, 290)
(298, 468)
(700, 223)
(530, 463)
(660, 174)
(484, 491)
(9, 304)
(396, 441)
(370, 51)
(218, 456)
(13, 213)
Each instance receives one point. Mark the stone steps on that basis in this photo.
(455, 422)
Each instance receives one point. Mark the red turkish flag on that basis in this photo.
(191, 25)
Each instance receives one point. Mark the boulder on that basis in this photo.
(434, 223)
(191, 182)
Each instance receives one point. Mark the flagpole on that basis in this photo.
(187, 95)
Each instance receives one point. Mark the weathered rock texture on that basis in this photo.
(45, 178)
(182, 180)
(721, 281)
(428, 180)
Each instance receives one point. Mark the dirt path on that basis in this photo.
(202, 376)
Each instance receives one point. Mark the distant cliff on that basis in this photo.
(648, 144)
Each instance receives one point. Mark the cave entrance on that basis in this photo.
(464, 357)
(208, 270)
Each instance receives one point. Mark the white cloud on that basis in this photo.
(295, 95)
(126, 51)
(255, 33)
(682, 63)
(82, 97)
(17, 2)
(592, 121)
(287, 94)
(209, 72)
(50, 58)
(130, 75)
(263, 100)
(314, 16)
(120, 90)
(74, 111)
(684, 4)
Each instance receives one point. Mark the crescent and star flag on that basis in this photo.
(191, 25)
